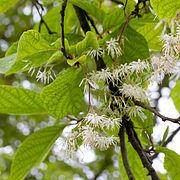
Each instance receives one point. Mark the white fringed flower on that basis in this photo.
(103, 142)
(133, 92)
(113, 47)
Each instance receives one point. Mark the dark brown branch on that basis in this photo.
(147, 163)
(124, 152)
(35, 2)
(62, 12)
(154, 110)
(169, 139)
(81, 14)
(118, 2)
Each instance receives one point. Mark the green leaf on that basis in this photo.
(135, 163)
(175, 94)
(134, 46)
(64, 96)
(12, 49)
(166, 9)
(171, 162)
(34, 150)
(90, 7)
(165, 134)
(5, 5)
(32, 48)
(82, 60)
(16, 100)
(6, 63)
(111, 19)
(90, 42)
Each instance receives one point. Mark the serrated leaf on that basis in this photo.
(175, 94)
(82, 60)
(171, 162)
(90, 7)
(16, 100)
(32, 48)
(90, 42)
(166, 9)
(5, 5)
(165, 134)
(64, 96)
(6, 63)
(134, 46)
(111, 19)
(34, 150)
(135, 164)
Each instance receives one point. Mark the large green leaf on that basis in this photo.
(171, 162)
(166, 9)
(135, 164)
(64, 96)
(90, 7)
(175, 94)
(90, 42)
(111, 19)
(134, 46)
(147, 26)
(5, 5)
(34, 150)
(6, 63)
(32, 48)
(16, 100)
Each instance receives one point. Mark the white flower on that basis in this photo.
(95, 53)
(133, 92)
(113, 47)
(103, 142)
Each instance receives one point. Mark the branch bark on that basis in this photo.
(146, 161)
(124, 152)
(155, 111)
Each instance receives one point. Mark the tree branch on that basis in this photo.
(35, 2)
(118, 2)
(154, 110)
(124, 152)
(146, 161)
(62, 12)
(169, 139)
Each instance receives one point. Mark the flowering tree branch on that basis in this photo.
(146, 161)
(36, 3)
(154, 110)
(124, 152)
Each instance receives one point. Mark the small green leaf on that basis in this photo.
(34, 150)
(64, 96)
(82, 60)
(6, 63)
(175, 94)
(90, 42)
(5, 5)
(165, 134)
(166, 9)
(171, 162)
(16, 100)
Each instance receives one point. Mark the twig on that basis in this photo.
(146, 161)
(154, 110)
(124, 152)
(35, 2)
(118, 2)
(169, 139)
(62, 12)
